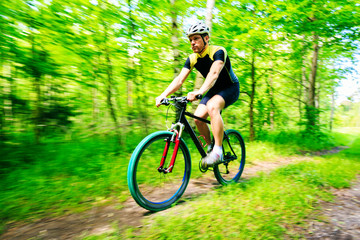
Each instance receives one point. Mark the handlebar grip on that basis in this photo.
(165, 101)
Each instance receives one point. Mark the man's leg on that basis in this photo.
(201, 111)
(214, 107)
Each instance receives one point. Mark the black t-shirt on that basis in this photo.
(202, 62)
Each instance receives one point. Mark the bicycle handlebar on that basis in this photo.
(199, 96)
(166, 101)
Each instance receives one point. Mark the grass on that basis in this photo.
(270, 206)
(58, 178)
(66, 177)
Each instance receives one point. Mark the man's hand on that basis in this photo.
(191, 96)
(158, 100)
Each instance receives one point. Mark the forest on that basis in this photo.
(91, 67)
(78, 82)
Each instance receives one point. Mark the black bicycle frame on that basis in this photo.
(188, 128)
(183, 120)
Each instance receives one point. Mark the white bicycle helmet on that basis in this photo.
(197, 28)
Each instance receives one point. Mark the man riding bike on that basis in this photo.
(221, 87)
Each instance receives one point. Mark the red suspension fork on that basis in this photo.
(166, 149)
(175, 139)
(173, 157)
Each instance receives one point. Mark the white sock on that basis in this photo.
(218, 150)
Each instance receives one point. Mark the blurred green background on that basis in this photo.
(78, 81)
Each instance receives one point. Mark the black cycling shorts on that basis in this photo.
(230, 94)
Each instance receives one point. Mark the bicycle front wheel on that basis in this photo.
(150, 187)
(234, 158)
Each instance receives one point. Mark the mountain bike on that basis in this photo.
(160, 166)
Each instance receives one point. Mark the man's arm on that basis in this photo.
(174, 85)
(210, 80)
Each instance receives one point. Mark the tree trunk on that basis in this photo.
(95, 103)
(312, 79)
(175, 38)
(312, 113)
(317, 96)
(109, 96)
(37, 112)
(252, 98)
(199, 79)
(131, 68)
(110, 86)
(2, 131)
(109, 82)
(175, 47)
(145, 121)
(302, 91)
(271, 98)
(2, 92)
(2, 108)
(37, 87)
(8, 95)
(95, 93)
(210, 4)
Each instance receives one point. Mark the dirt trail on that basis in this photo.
(340, 218)
(101, 219)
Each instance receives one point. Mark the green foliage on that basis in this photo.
(301, 141)
(59, 177)
(58, 114)
(343, 139)
(348, 114)
(354, 149)
(316, 140)
(95, 63)
(312, 119)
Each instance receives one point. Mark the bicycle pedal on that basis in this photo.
(203, 170)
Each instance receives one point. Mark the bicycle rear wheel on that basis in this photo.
(234, 158)
(153, 189)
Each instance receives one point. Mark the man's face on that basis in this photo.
(197, 43)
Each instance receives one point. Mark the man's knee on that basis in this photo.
(213, 109)
(201, 111)
(215, 105)
(199, 122)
